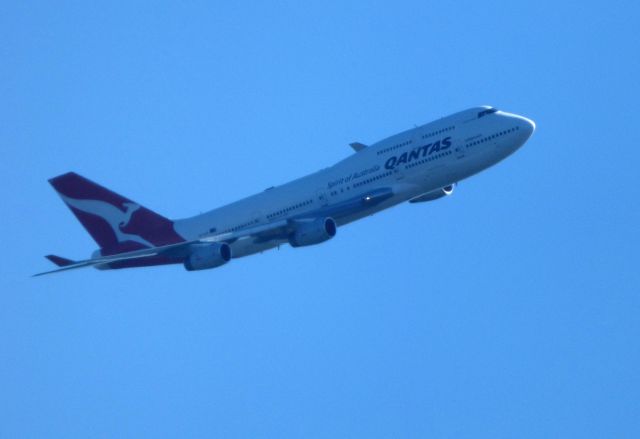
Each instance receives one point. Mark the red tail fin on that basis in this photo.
(116, 223)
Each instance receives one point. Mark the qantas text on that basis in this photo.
(423, 151)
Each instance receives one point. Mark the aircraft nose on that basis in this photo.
(528, 126)
(525, 128)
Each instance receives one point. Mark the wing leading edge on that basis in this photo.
(177, 251)
(280, 229)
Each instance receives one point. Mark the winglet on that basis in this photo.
(357, 146)
(59, 260)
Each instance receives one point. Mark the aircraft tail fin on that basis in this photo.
(116, 223)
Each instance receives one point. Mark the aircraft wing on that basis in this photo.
(280, 229)
(180, 249)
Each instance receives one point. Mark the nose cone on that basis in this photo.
(524, 129)
(527, 126)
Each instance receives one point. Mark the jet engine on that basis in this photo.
(434, 195)
(312, 232)
(203, 256)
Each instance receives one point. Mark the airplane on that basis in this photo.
(418, 165)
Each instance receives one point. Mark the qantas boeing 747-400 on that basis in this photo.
(418, 165)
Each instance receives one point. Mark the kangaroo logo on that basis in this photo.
(115, 217)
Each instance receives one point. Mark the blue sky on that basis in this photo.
(507, 310)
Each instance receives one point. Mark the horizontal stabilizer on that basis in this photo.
(59, 260)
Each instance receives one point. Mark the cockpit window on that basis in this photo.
(487, 111)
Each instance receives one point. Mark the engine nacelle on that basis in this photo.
(434, 195)
(313, 232)
(205, 256)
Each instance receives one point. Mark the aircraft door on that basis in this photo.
(459, 148)
(258, 217)
(322, 197)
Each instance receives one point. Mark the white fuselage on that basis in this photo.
(410, 163)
